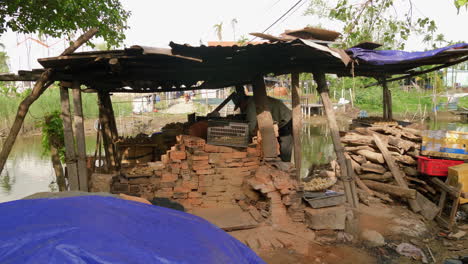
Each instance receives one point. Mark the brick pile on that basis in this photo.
(196, 174)
(282, 192)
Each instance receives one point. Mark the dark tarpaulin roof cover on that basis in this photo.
(383, 57)
(94, 229)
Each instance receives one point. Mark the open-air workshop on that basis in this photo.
(394, 190)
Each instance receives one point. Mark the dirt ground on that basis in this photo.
(396, 223)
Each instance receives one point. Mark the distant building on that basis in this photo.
(456, 78)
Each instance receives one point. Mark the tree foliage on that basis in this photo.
(52, 134)
(461, 3)
(219, 30)
(58, 18)
(374, 20)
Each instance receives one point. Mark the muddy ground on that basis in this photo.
(395, 222)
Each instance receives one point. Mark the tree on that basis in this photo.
(219, 30)
(58, 18)
(460, 3)
(3, 60)
(233, 24)
(374, 20)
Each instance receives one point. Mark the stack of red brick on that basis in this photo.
(282, 192)
(194, 174)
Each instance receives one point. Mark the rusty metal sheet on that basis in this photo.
(314, 33)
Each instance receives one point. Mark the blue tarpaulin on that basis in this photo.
(383, 57)
(95, 229)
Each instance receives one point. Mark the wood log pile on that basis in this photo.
(384, 159)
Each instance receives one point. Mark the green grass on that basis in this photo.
(50, 102)
(370, 99)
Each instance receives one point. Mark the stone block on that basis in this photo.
(223, 149)
(326, 218)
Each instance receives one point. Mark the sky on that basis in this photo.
(156, 23)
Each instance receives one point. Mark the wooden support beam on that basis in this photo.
(70, 155)
(322, 88)
(296, 123)
(41, 85)
(107, 138)
(221, 105)
(264, 119)
(396, 171)
(78, 121)
(387, 101)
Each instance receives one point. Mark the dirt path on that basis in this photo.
(181, 107)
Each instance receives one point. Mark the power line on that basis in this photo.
(276, 21)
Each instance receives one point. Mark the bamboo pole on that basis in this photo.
(78, 121)
(297, 123)
(40, 86)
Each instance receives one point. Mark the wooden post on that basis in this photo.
(264, 118)
(390, 105)
(70, 156)
(386, 97)
(109, 146)
(39, 87)
(297, 123)
(80, 137)
(333, 126)
(113, 128)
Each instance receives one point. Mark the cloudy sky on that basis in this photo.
(156, 23)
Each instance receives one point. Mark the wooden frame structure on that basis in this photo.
(141, 69)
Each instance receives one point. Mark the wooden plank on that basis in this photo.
(264, 119)
(78, 121)
(396, 171)
(391, 189)
(70, 156)
(297, 123)
(39, 87)
(428, 209)
(453, 191)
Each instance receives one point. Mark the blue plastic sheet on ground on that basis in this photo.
(382, 57)
(94, 229)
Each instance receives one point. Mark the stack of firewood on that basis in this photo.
(384, 159)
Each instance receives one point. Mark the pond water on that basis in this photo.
(28, 171)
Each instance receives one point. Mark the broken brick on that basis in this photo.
(178, 155)
(169, 177)
(200, 157)
(211, 148)
(194, 195)
(205, 172)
